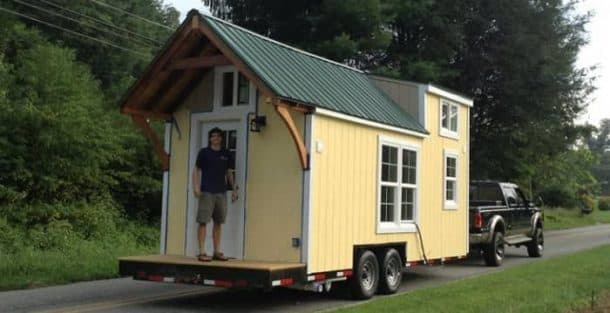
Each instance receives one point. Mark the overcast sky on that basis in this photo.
(596, 53)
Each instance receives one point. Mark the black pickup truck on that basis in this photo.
(500, 215)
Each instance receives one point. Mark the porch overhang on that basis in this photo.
(180, 66)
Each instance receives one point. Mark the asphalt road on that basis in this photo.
(126, 295)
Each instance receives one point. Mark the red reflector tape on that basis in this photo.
(241, 283)
(286, 281)
(319, 276)
(223, 283)
(141, 275)
(282, 282)
(155, 277)
(347, 273)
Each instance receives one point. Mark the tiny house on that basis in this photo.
(341, 174)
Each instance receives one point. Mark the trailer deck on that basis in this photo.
(232, 273)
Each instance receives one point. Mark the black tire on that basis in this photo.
(391, 272)
(364, 282)
(493, 253)
(535, 248)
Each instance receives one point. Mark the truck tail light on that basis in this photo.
(478, 220)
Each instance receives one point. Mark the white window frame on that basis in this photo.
(398, 225)
(447, 131)
(219, 72)
(451, 204)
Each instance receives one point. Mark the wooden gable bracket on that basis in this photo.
(283, 111)
(199, 62)
(141, 121)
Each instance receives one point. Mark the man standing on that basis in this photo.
(213, 169)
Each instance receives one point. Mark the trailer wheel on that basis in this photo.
(391, 272)
(364, 282)
(536, 246)
(493, 253)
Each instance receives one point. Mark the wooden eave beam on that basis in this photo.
(150, 133)
(199, 62)
(235, 60)
(284, 113)
(154, 74)
(147, 114)
(296, 107)
(183, 82)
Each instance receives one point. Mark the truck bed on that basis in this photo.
(232, 273)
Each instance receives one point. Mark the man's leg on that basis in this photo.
(219, 217)
(204, 214)
(216, 231)
(201, 238)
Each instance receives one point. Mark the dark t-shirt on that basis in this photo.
(214, 165)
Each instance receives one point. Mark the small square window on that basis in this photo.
(449, 119)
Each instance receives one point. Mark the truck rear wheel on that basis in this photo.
(493, 253)
(391, 272)
(536, 246)
(364, 282)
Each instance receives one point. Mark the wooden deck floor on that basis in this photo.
(233, 263)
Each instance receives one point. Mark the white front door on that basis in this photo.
(232, 238)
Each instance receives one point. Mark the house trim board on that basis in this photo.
(165, 196)
(307, 194)
(362, 121)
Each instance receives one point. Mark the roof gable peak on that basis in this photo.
(205, 16)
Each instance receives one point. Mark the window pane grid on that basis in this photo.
(398, 185)
(243, 90)
(407, 204)
(387, 204)
(449, 116)
(227, 89)
(450, 178)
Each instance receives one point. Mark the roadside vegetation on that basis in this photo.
(79, 184)
(561, 218)
(51, 244)
(573, 283)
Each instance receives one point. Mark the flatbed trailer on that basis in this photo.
(230, 274)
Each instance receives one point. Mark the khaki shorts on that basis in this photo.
(212, 206)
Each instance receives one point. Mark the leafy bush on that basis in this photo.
(604, 203)
(556, 196)
(10, 237)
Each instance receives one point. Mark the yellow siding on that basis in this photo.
(344, 204)
(274, 191)
(178, 183)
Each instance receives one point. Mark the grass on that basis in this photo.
(560, 218)
(83, 260)
(561, 284)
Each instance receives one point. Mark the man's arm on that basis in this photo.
(232, 183)
(196, 180)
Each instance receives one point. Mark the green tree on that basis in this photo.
(350, 31)
(140, 40)
(599, 144)
(56, 139)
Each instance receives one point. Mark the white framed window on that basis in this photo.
(449, 118)
(398, 181)
(232, 89)
(450, 181)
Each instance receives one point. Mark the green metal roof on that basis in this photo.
(300, 76)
